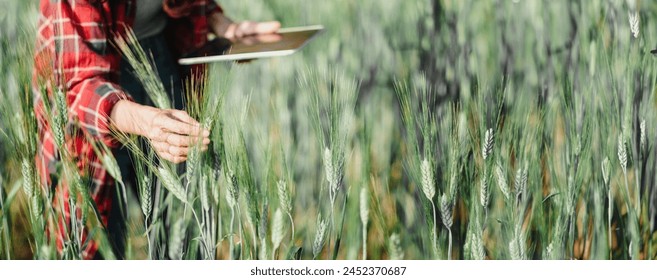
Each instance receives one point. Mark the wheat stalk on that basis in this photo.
(203, 192)
(145, 190)
(501, 182)
(634, 23)
(448, 219)
(176, 240)
(478, 250)
(622, 153)
(429, 190)
(446, 211)
(520, 183)
(428, 184)
(144, 68)
(284, 196)
(171, 183)
(278, 230)
(112, 167)
(27, 170)
(332, 175)
(364, 216)
(487, 145)
(320, 237)
(59, 118)
(285, 202)
(395, 248)
(605, 171)
(643, 141)
(484, 194)
(605, 176)
(232, 194)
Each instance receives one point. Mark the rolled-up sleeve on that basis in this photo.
(213, 7)
(83, 64)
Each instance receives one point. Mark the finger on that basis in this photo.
(178, 151)
(245, 28)
(260, 38)
(159, 146)
(157, 134)
(175, 126)
(269, 38)
(230, 31)
(165, 155)
(170, 119)
(184, 117)
(267, 27)
(178, 140)
(172, 158)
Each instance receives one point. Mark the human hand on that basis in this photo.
(248, 28)
(224, 27)
(172, 133)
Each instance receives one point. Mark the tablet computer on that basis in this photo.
(285, 42)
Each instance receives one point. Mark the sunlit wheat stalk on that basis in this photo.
(484, 194)
(231, 199)
(478, 250)
(520, 183)
(144, 68)
(27, 170)
(285, 203)
(501, 182)
(395, 248)
(634, 23)
(642, 138)
(172, 183)
(622, 159)
(177, 238)
(332, 179)
(486, 151)
(320, 237)
(487, 145)
(429, 190)
(605, 176)
(278, 231)
(364, 217)
(448, 220)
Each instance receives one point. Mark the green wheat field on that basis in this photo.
(411, 129)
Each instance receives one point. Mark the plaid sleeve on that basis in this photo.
(76, 35)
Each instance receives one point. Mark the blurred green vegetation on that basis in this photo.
(563, 85)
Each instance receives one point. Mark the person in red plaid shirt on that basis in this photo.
(74, 51)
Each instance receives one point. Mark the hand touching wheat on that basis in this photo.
(172, 133)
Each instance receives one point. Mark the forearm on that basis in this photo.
(220, 24)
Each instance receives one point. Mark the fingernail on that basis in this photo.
(206, 133)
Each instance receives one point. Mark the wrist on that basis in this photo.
(220, 24)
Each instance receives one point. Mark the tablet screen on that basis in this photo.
(285, 42)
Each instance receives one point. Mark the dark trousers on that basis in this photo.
(168, 71)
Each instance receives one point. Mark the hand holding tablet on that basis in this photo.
(285, 42)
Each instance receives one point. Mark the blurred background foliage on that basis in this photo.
(554, 66)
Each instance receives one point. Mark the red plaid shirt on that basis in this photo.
(74, 50)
